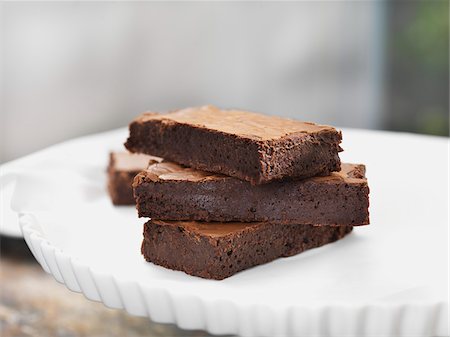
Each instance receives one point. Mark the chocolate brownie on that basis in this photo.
(219, 250)
(169, 191)
(122, 168)
(246, 145)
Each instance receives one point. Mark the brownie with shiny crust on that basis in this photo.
(246, 145)
(169, 191)
(219, 250)
(122, 169)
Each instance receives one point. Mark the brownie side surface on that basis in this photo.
(178, 246)
(120, 187)
(119, 184)
(301, 154)
(121, 170)
(302, 157)
(184, 194)
(196, 147)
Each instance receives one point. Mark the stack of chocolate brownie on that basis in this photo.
(237, 189)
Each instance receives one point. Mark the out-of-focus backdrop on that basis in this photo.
(75, 68)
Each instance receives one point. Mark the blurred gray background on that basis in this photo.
(75, 68)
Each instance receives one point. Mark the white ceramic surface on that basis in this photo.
(9, 223)
(389, 278)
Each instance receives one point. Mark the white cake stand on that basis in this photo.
(386, 279)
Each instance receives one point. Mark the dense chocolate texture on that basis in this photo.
(219, 250)
(246, 145)
(122, 169)
(168, 191)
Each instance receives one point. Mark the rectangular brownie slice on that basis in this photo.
(246, 145)
(219, 250)
(122, 169)
(169, 191)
